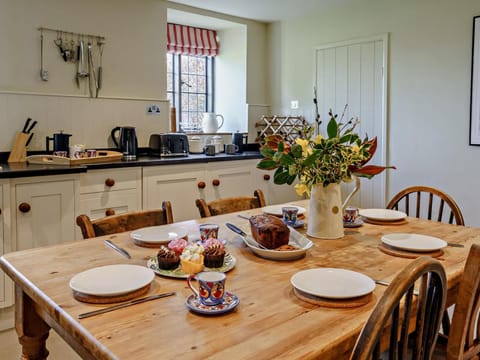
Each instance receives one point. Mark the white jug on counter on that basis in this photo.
(210, 122)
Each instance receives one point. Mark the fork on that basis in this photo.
(386, 283)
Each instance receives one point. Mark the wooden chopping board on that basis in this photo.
(102, 156)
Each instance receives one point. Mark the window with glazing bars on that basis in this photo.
(190, 88)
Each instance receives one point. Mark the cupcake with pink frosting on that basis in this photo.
(178, 245)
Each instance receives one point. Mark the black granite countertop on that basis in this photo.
(17, 170)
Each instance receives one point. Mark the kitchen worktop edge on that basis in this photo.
(18, 170)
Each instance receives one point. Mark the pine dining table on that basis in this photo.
(270, 322)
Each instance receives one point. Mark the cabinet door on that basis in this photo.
(274, 194)
(6, 286)
(179, 184)
(113, 189)
(233, 178)
(96, 205)
(44, 213)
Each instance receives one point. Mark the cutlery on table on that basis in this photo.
(455, 245)
(245, 236)
(121, 306)
(243, 217)
(386, 283)
(117, 248)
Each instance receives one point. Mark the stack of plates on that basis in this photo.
(332, 283)
(413, 242)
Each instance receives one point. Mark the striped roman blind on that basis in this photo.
(188, 40)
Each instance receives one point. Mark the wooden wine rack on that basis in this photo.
(289, 127)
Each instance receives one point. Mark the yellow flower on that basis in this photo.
(318, 139)
(301, 189)
(306, 151)
(355, 148)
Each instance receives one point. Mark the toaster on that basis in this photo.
(168, 145)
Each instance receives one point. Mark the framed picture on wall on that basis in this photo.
(475, 90)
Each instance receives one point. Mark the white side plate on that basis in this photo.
(332, 283)
(382, 214)
(159, 234)
(112, 280)
(277, 209)
(414, 242)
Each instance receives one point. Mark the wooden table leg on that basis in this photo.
(32, 331)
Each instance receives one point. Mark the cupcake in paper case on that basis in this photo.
(167, 259)
(178, 245)
(214, 253)
(192, 259)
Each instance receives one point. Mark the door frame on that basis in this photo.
(382, 145)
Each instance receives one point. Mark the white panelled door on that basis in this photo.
(353, 73)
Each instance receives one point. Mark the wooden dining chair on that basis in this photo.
(403, 323)
(464, 338)
(432, 204)
(230, 204)
(125, 222)
(427, 202)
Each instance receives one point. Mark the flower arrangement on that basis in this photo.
(316, 159)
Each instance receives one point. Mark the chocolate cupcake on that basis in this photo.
(214, 253)
(167, 259)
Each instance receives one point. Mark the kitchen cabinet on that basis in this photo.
(6, 286)
(43, 210)
(274, 194)
(183, 184)
(111, 191)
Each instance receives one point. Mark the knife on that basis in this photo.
(121, 306)
(245, 236)
(386, 283)
(117, 248)
(26, 125)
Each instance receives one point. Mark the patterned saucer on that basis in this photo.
(229, 303)
(358, 222)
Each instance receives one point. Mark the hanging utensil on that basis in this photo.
(92, 78)
(43, 71)
(100, 44)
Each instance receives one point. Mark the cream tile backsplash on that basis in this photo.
(88, 120)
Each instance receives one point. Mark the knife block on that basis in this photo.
(19, 151)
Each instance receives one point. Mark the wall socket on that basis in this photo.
(294, 104)
(153, 110)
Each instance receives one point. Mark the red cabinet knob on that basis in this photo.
(266, 177)
(24, 207)
(109, 182)
(201, 185)
(215, 182)
(109, 212)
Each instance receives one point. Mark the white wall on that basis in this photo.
(429, 84)
(230, 79)
(133, 70)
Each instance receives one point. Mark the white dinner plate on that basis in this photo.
(413, 242)
(277, 209)
(296, 239)
(162, 234)
(382, 214)
(332, 283)
(112, 280)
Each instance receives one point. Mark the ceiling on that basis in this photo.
(262, 10)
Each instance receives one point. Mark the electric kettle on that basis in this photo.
(126, 142)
